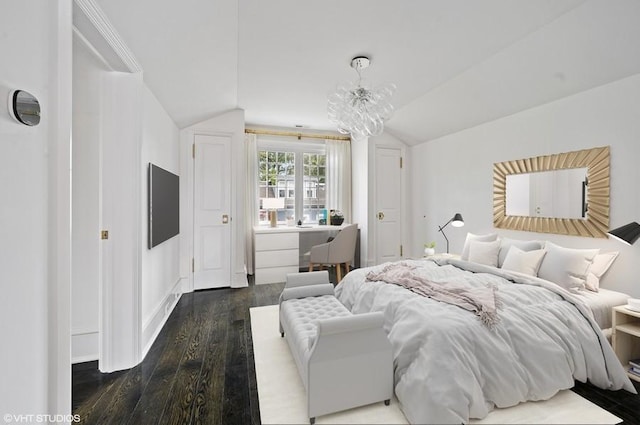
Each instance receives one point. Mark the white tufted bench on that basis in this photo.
(344, 360)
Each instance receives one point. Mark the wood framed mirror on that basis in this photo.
(594, 192)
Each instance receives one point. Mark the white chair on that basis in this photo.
(339, 251)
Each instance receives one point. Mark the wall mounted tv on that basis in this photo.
(164, 205)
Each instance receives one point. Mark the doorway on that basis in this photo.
(211, 211)
(388, 204)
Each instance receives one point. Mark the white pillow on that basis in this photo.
(527, 262)
(506, 243)
(484, 252)
(566, 267)
(480, 238)
(599, 267)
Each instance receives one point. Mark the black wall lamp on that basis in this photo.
(456, 221)
(629, 233)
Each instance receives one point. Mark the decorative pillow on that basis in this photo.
(480, 238)
(566, 267)
(599, 267)
(527, 262)
(506, 243)
(484, 252)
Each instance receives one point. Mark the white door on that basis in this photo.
(212, 206)
(388, 201)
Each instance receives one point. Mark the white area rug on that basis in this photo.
(283, 401)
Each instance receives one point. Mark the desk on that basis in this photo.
(281, 250)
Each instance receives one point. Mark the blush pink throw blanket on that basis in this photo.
(481, 301)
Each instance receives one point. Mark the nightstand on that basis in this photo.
(626, 336)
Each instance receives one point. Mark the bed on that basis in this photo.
(601, 304)
(450, 366)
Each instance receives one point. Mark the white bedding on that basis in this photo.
(449, 367)
(601, 304)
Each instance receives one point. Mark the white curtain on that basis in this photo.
(251, 197)
(339, 177)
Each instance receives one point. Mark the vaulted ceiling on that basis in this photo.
(456, 63)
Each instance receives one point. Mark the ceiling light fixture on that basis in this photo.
(360, 110)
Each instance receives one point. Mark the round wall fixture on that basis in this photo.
(24, 107)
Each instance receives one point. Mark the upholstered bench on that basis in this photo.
(344, 360)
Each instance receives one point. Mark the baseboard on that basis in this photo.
(240, 279)
(186, 285)
(84, 346)
(152, 328)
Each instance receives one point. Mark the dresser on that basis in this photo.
(281, 250)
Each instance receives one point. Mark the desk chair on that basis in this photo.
(339, 251)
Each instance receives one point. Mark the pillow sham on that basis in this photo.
(599, 267)
(566, 267)
(527, 262)
(480, 238)
(506, 243)
(484, 252)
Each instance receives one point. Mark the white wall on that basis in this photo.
(34, 211)
(360, 196)
(119, 127)
(454, 173)
(160, 265)
(231, 122)
(87, 74)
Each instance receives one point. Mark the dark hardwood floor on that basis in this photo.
(200, 370)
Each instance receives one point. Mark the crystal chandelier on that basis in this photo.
(360, 110)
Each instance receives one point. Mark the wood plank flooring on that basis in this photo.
(200, 370)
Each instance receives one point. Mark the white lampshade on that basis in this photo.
(272, 203)
(457, 220)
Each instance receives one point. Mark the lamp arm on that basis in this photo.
(441, 230)
(446, 224)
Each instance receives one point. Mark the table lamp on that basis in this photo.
(272, 205)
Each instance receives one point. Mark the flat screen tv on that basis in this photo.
(164, 205)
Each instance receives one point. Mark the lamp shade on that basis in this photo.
(457, 220)
(272, 203)
(629, 233)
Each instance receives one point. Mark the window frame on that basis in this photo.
(298, 148)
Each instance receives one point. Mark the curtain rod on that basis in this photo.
(298, 135)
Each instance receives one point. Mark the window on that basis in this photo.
(295, 174)
(276, 179)
(315, 184)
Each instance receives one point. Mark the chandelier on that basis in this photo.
(360, 110)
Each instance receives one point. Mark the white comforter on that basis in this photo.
(449, 367)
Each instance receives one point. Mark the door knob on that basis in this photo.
(225, 219)
(380, 215)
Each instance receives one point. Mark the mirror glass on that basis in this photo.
(554, 194)
(26, 108)
(544, 194)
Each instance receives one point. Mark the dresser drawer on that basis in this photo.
(274, 274)
(276, 241)
(276, 258)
